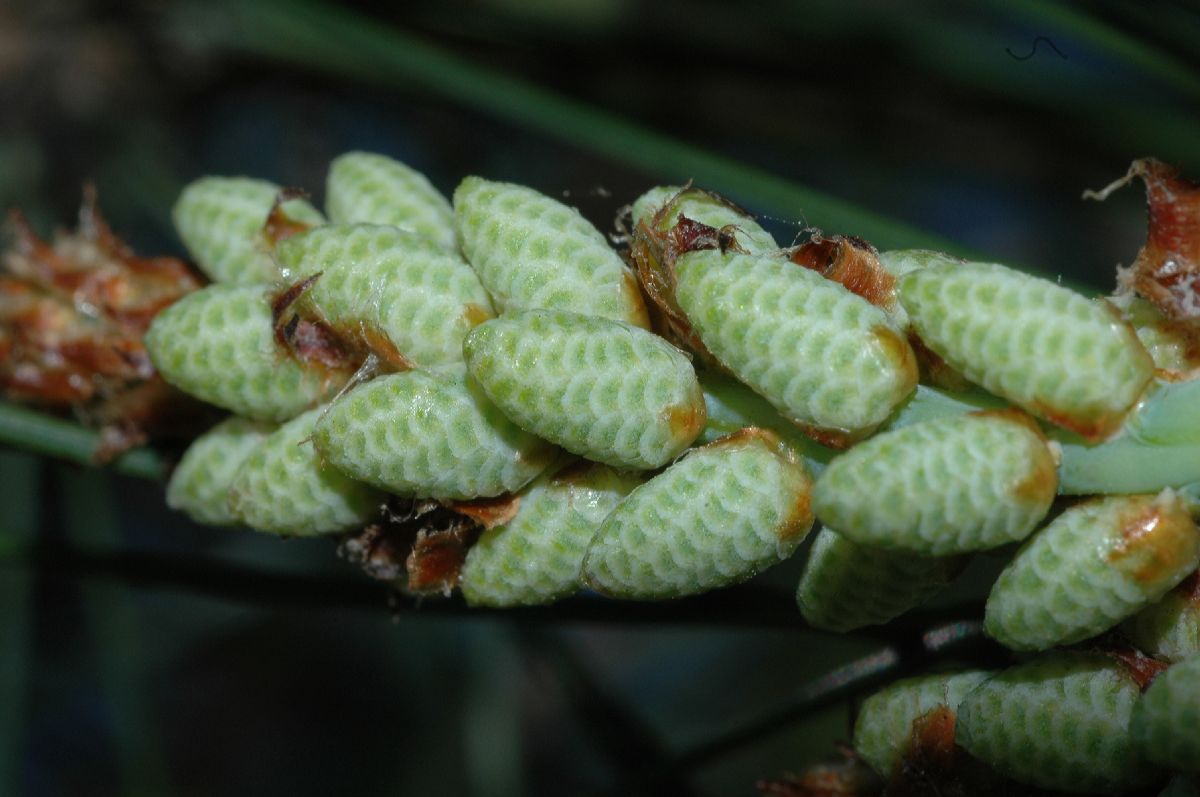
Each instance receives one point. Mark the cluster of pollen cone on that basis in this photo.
(543, 413)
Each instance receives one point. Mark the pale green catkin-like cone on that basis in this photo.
(603, 389)
(883, 728)
(721, 514)
(845, 585)
(218, 344)
(535, 558)
(1060, 721)
(366, 188)
(377, 281)
(200, 483)
(1050, 351)
(952, 485)
(220, 220)
(430, 434)
(532, 252)
(1166, 721)
(703, 207)
(285, 487)
(1169, 629)
(823, 356)
(1096, 564)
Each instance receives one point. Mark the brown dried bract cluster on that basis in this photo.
(72, 316)
(1167, 269)
(421, 545)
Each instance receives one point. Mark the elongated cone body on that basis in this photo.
(719, 515)
(535, 558)
(883, 729)
(1166, 721)
(533, 252)
(285, 487)
(826, 358)
(1096, 564)
(380, 282)
(964, 483)
(1060, 721)
(605, 390)
(220, 220)
(846, 586)
(219, 345)
(430, 434)
(200, 483)
(1169, 629)
(366, 188)
(661, 207)
(1045, 348)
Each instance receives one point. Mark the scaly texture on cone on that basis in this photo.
(1166, 721)
(532, 252)
(286, 487)
(201, 482)
(329, 246)
(1096, 564)
(661, 207)
(388, 290)
(430, 434)
(367, 188)
(719, 515)
(944, 486)
(883, 729)
(1060, 721)
(1048, 350)
(845, 585)
(219, 344)
(826, 358)
(1169, 629)
(221, 220)
(535, 557)
(606, 390)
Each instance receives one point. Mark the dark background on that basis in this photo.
(973, 127)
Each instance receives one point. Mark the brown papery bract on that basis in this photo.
(852, 263)
(1167, 269)
(72, 316)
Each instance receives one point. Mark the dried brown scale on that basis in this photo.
(852, 263)
(1167, 268)
(311, 341)
(1141, 667)
(279, 225)
(302, 329)
(420, 545)
(654, 252)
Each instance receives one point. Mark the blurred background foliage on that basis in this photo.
(971, 127)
